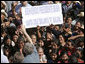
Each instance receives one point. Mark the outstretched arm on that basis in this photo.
(74, 37)
(25, 33)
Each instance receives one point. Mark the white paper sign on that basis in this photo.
(42, 15)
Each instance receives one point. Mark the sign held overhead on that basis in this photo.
(42, 15)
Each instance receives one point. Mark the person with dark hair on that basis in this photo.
(8, 43)
(19, 45)
(79, 55)
(7, 40)
(62, 42)
(15, 38)
(7, 51)
(4, 58)
(77, 26)
(53, 57)
(55, 43)
(64, 58)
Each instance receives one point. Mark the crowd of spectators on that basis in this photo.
(48, 44)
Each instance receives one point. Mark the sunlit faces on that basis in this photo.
(61, 39)
(21, 44)
(15, 37)
(41, 43)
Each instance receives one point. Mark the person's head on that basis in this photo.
(61, 39)
(68, 2)
(51, 26)
(81, 31)
(64, 56)
(42, 29)
(28, 48)
(7, 40)
(50, 2)
(56, 27)
(81, 44)
(15, 38)
(41, 43)
(6, 51)
(10, 18)
(69, 20)
(34, 39)
(7, 24)
(3, 5)
(54, 44)
(17, 32)
(3, 32)
(18, 57)
(57, 2)
(18, 17)
(2, 16)
(49, 36)
(54, 55)
(69, 44)
(40, 51)
(67, 28)
(21, 42)
(24, 3)
(77, 25)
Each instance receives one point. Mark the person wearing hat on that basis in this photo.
(81, 14)
(77, 2)
(81, 17)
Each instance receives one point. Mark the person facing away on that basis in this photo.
(29, 50)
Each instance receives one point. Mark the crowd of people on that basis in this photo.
(48, 44)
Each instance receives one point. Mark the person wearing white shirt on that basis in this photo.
(4, 59)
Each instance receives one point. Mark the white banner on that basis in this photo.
(42, 15)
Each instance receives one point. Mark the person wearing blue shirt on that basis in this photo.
(22, 4)
(29, 50)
